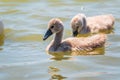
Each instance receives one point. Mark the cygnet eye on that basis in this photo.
(77, 27)
(52, 27)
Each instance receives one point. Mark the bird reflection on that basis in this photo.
(1, 39)
(53, 71)
(68, 55)
(57, 77)
(57, 58)
(1, 33)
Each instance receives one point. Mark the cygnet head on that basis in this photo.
(55, 25)
(78, 22)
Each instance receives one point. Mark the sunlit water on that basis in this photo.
(23, 56)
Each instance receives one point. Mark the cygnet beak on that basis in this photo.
(47, 34)
(75, 33)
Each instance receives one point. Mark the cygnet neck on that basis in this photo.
(84, 29)
(57, 39)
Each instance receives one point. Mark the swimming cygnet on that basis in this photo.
(82, 25)
(55, 26)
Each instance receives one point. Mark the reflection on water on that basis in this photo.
(1, 33)
(53, 71)
(22, 35)
(103, 32)
(58, 77)
(1, 39)
(62, 55)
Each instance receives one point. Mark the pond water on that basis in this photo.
(23, 55)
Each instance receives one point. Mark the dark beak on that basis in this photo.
(47, 34)
(75, 33)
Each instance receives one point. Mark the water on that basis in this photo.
(23, 56)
